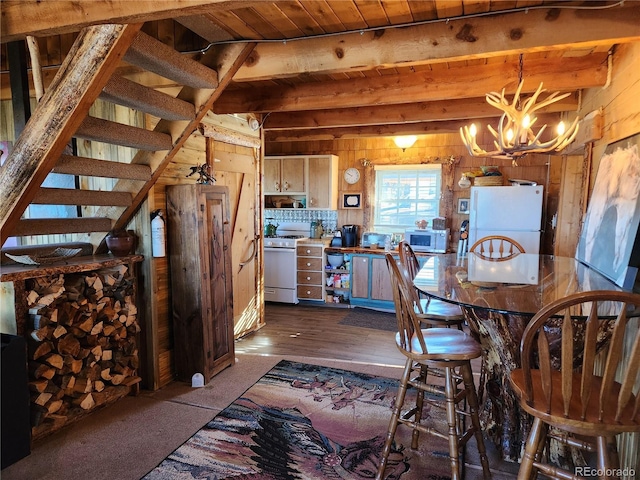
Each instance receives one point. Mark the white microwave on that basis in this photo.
(428, 240)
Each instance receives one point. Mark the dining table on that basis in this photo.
(498, 298)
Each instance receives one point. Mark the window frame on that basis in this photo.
(431, 170)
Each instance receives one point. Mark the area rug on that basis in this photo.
(367, 318)
(302, 421)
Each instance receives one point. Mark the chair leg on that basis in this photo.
(450, 394)
(474, 408)
(607, 454)
(424, 372)
(532, 450)
(393, 422)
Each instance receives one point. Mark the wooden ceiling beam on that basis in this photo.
(35, 17)
(418, 128)
(562, 74)
(397, 114)
(461, 39)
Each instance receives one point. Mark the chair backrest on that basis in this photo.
(408, 259)
(567, 336)
(496, 247)
(408, 323)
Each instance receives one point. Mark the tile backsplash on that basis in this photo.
(329, 218)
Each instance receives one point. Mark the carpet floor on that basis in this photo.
(312, 422)
(367, 318)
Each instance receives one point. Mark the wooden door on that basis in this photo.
(360, 276)
(217, 243)
(380, 280)
(237, 168)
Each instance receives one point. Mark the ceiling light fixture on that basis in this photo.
(514, 136)
(405, 141)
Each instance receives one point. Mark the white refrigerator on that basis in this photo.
(512, 211)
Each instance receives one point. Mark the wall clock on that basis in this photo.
(351, 175)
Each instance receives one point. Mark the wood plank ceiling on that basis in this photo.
(324, 69)
(336, 63)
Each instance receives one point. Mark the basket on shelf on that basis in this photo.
(488, 181)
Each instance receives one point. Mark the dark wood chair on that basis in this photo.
(431, 310)
(586, 395)
(448, 349)
(496, 247)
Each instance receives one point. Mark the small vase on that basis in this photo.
(120, 243)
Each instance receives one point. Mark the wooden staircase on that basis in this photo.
(90, 72)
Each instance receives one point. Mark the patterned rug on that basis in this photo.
(302, 421)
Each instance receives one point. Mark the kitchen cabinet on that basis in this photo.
(199, 240)
(309, 179)
(285, 175)
(322, 174)
(370, 281)
(310, 266)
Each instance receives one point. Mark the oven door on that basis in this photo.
(280, 275)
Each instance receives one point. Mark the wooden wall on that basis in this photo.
(446, 149)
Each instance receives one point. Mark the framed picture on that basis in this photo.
(352, 200)
(610, 237)
(463, 206)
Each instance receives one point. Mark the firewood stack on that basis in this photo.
(82, 347)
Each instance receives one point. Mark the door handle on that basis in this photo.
(249, 257)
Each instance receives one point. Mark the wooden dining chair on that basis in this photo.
(496, 247)
(446, 348)
(430, 310)
(566, 382)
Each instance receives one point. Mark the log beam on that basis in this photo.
(436, 85)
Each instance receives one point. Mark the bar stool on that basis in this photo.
(448, 349)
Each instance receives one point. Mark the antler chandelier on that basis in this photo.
(514, 136)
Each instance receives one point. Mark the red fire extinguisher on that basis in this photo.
(158, 239)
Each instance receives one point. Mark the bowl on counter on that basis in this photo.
(374, 245)
(335, 259)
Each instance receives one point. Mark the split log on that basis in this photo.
(59, 331)
(98, 386)
(85, 402)
(39, 385)
(97, 328)
(83, 385)
(41, 399)
(53, 406)
(41, 349)
(40, 370)
(69, 345)
(54, 360)
(68, 382)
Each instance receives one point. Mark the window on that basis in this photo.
(404, 194)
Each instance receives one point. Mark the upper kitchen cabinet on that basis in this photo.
(322, 181)
(284, 175)
(309, 181)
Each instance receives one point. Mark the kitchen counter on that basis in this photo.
(376, 251)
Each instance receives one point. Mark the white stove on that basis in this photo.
(280, 262)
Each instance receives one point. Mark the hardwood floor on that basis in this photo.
(314, 331)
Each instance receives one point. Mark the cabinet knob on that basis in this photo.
(308, 292)
(286, 186)
(308, 251)
(277, 186)
(308, 278)
(308, 264)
